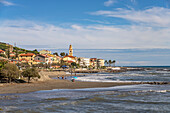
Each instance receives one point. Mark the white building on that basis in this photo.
(84, 61)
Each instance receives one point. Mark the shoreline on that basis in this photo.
(54, 84)
(47, 83)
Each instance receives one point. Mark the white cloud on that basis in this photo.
(156, 16)
(109, 2)
(6, 3)
(84, 37)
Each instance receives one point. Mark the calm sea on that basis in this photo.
(120, 99)
(126, 57)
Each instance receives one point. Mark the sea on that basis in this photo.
(143, 98)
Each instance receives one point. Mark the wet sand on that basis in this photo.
(53, 84)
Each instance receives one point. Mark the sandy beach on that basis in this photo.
(47, 83)
(53, 84)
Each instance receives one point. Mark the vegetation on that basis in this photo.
(18, 50)
(73, 64)
(55, 53)
(2, 55)
(2, 63)
(62, 54)
(110, 62)
(3, 46)
(30, 73)
(10, 71)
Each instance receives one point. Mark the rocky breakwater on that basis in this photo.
(156, 83)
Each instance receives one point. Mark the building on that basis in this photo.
(2, 52)
(12, 54)
(40, 58)
(69, 59)
(84, 61)
(93, 62)
(56, 59)
(26, 58)
(45, 52)
(100, 62)
(70, 51)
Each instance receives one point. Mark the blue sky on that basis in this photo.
(115, 24)
(86, 24)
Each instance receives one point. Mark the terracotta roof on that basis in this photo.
(28, 54)
(93, 59)
(38, 61)
(1, 51)
(11, 55)
(24, 60)
(69, 61)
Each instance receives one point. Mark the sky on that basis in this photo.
(86, 24)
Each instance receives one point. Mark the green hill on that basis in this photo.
(5, 46)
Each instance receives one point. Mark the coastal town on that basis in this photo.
(22, 57)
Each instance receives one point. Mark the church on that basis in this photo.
(70, 58)
(70, 51)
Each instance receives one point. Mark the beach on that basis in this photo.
(47, 82)
(52, 84)
(132, 93)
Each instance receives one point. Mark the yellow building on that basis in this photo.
(70, 51)
(26, 58)
(100, 62)
(45, 52)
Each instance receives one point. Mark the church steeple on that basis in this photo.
(70, 51)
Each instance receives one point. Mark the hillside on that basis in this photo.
(5, 47)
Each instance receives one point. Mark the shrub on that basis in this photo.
(10, 71)
(30, 72)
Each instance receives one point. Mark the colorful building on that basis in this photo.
(45, 52)
(93, 62)
(26, 58)
(2, 52)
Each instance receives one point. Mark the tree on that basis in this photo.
(8, 53)
(55, 53)
(62, 54)
(35, 51)
(10, 71)
(114, 61)
(2, 63)
(3, 55)
(110, 62)
(106, 62)
(30, 73)
(73, 64)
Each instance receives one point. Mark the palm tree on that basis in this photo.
(79, 61)
(110, 62)
(105, 62)
(114, 61)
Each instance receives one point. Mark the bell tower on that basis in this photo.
(70, 51)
